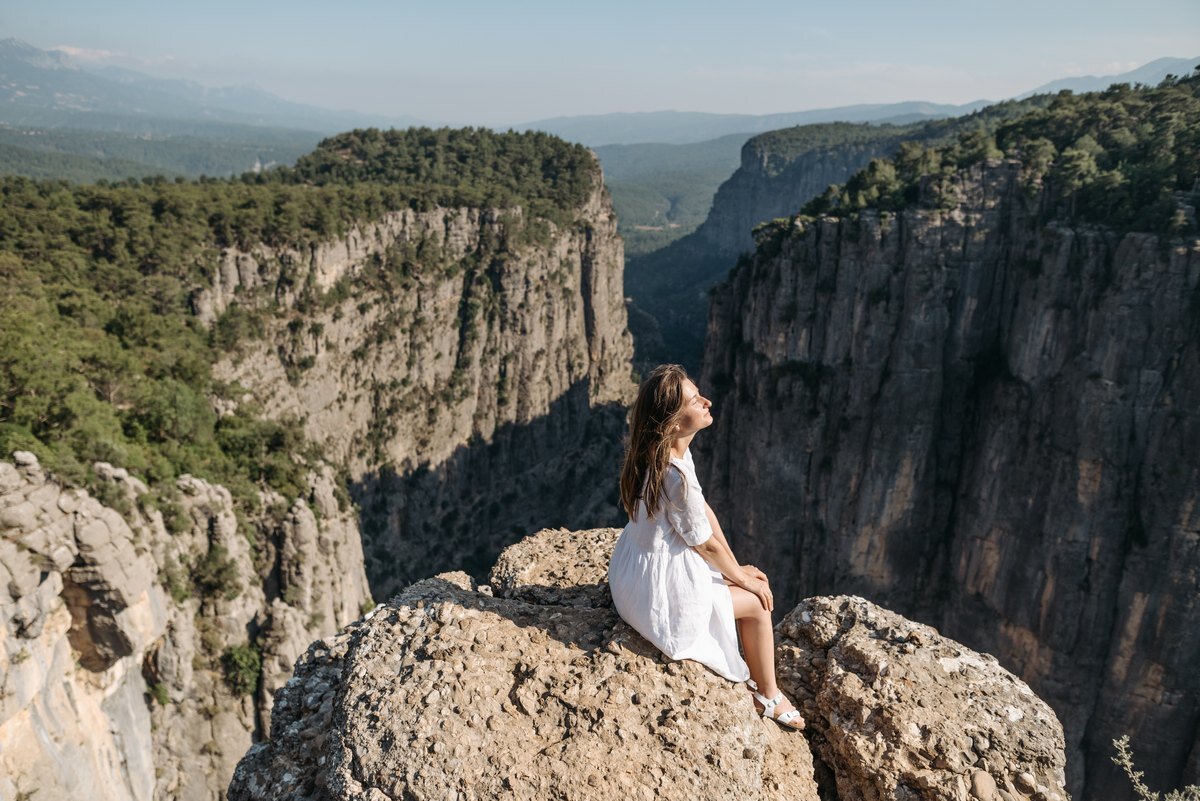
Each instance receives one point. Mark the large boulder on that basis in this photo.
(449, 691)
(897, 711)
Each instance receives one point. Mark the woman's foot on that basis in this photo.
(777, 708)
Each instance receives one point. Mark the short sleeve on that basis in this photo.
(685, 505)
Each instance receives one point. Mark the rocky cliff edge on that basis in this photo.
(532, 687)
(111, 655)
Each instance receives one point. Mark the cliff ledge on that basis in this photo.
(532, 687)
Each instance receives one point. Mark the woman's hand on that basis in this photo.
(754, 571)
(760, 588)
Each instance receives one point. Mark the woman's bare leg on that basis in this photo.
(758, 642)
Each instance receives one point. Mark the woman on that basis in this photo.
(672, 574)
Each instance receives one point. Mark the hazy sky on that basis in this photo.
(507, 62)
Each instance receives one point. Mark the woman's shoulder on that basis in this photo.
(685, 469)
(684, 462)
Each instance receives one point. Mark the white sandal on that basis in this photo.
(791, 719)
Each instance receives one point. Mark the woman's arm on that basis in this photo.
(719, 535)
(716, 551)
(716, 527)
(719, 556)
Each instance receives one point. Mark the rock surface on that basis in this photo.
(988, 423)
(112, 689)
(557, 567)
(79, 608)
(451, 691)
(900, 712)
(528, 688)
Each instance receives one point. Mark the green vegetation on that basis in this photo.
(1122, 158)
(38, 163)
(544, 175)
(777, 150)
(159, 145)
(102, 359)
(165, 499)
(662, 192)
(159, 693)
(1124, 759)
(176, 580)
(242, 665)
(82, 156)
(217, 574)
(655, 212)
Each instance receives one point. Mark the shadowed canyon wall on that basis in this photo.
(987, 421)
(780, 172)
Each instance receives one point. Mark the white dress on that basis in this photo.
(665, 590)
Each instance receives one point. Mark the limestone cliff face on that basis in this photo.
(111, 687)
(475, 392)
(767, 186)
(79, 608)
(989, 422)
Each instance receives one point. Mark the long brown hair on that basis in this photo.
(652, 420)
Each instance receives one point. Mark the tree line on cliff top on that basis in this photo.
(1124, 158)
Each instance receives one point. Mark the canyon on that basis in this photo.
(670, 286)
(981, 417)
(115, 671)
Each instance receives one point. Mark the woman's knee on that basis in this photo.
(747, 606)
(761, 615)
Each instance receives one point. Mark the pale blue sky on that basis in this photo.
(506, 62)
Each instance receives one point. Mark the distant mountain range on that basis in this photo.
(1149, 74)
(48, 88)
(684, 127)
(60, 117)
(688, 127)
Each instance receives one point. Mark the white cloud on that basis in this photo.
(84, 54)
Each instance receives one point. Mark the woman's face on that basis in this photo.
(696, 413)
